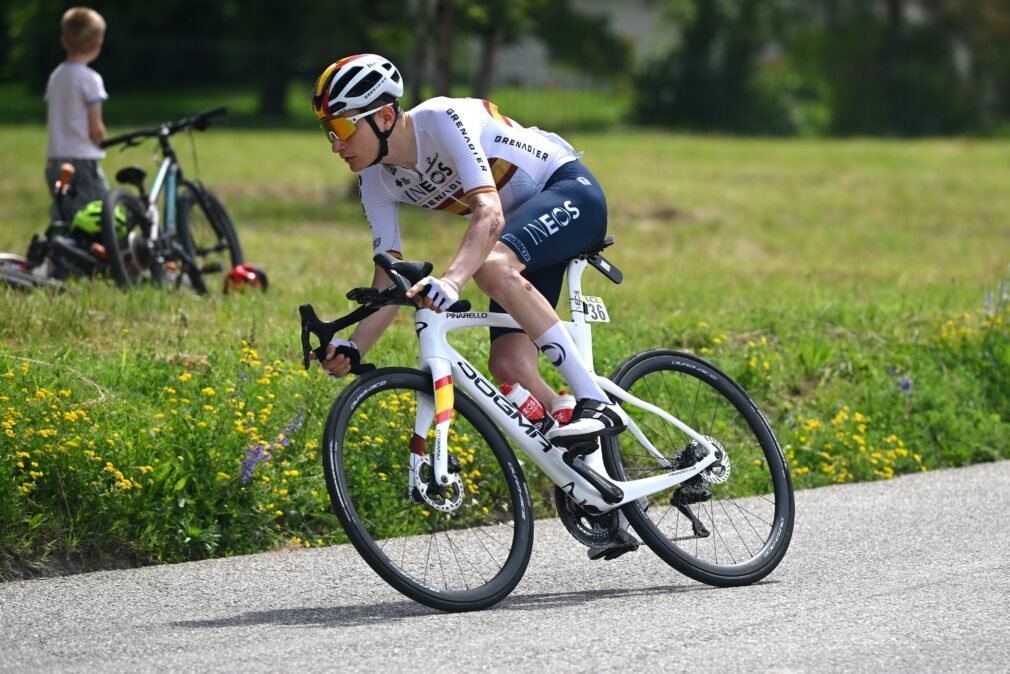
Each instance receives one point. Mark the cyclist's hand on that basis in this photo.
(434, 293)
(337, 365)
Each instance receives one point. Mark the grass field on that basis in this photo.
(853, 287)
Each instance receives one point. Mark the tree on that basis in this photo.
(498, 22)
(707, 82)
(445, 16)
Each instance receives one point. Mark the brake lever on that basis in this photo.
(324, 331)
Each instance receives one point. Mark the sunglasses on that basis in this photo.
(343, 128)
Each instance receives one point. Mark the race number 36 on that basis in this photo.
(596, 312)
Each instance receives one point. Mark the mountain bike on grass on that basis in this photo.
(428, 490)
(191, 238)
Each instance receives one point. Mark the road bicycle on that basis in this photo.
(192, 237)
(430, 493)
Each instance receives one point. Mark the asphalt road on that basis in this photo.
(900, 576)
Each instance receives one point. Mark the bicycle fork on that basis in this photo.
(439, 409)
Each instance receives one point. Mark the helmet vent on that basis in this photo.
(366, 84)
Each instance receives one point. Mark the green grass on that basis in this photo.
(842, 283)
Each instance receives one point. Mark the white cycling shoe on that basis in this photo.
(591, 419)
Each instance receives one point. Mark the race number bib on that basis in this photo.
(596, 312)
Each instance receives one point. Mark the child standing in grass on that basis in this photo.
(74, 98)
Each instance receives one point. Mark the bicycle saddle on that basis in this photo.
(131, 175)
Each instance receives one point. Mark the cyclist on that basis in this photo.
(532, 205)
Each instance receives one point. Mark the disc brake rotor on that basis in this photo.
(446, 498)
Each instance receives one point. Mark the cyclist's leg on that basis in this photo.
(549, 229)
(514, 357)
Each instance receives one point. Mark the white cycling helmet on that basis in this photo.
(355, 83)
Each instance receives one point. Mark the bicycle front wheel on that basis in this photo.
(463, 559)
(126, 236)
(732, 524)
(206, 230)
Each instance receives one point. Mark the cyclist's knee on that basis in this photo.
(500, 269)
(505, 369)
(512, 358)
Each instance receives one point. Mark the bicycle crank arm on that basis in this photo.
(609, 491)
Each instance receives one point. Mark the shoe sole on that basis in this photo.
(572, 440)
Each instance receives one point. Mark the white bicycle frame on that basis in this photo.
(166, 178)
(448, 368)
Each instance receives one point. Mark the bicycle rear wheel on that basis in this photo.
(463, 560)
(731, 525)
(126, 236)
(206, 230)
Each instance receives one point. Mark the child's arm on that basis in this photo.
(96, 127)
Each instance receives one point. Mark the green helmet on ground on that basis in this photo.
(89, 219)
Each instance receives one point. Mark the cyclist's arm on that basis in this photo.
(96, 126)
(368, 331)
(454, 128)
(482, 233)
(371, 328)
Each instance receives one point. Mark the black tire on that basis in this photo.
(749, 517)
(465, 561)
(126, 235)
(206, 230)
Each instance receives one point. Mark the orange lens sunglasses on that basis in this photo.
(343, 127)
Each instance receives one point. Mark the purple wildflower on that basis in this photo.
(254, 455)
(905, 384)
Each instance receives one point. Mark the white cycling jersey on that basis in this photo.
(464, 146)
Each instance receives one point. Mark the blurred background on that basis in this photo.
(775, 67)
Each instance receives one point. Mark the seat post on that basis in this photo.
(577, 307)
(580, 330)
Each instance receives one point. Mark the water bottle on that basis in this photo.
(562, 407)
(526, 402)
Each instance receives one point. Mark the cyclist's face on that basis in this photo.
(360, 148)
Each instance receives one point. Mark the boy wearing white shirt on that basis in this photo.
(74, 97)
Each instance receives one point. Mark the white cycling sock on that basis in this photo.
(559, 348)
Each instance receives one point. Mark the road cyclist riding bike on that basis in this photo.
(532, 206)
(433, 498)
(652, 447)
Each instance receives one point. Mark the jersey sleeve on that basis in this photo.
(381, 211)
(458, 131)
(93, 88)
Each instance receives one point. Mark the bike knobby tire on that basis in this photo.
(206, 230)
(465, 560)
(125, 236)
(724, 533)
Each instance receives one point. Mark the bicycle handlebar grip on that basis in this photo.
(116, 140)
(311, 325)
(357, 367)
(202, 120)
(460, 305)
